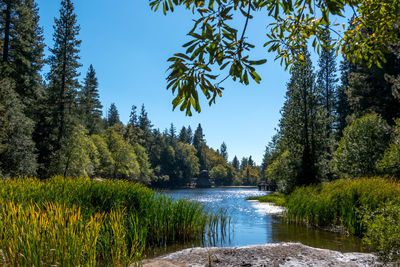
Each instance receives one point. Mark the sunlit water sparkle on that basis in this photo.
(255, 223)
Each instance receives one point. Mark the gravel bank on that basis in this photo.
(281, 254)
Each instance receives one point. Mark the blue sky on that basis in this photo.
(129, 45)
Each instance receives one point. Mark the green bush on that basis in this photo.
(361, 147)
(383, 231)
(390, 163)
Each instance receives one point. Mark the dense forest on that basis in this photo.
(337, 126)
(54, 125)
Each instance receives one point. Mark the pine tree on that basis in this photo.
(301, 125)
(250, 162)
(172, 134)
(63, 83)
(133, 133)
(199, 144)
(184, 136)
(190, 134)
(8, 17)
(89, 103)
(22, 54)
(326, 83)
(112, 115)
(371, 87)
(133, 119)
(224, 150)
(146, 128)
(327, 94)
(244, 163)
(343, 108)
(236, 163)
(144, 122)
(17, 150)
(23, 49)
(198, 137)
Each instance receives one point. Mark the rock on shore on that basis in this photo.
(280, 254)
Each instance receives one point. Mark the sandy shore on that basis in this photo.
(281, 254)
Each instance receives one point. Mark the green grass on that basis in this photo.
(342, 202)
(278, 199)
(120, 221)
(367, 207)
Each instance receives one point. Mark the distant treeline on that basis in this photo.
(54, 126)
(337, 128)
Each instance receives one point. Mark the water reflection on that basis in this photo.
(252, 226)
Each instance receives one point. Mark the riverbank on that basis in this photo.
(77, 221)
(364, 207)
(280, 254)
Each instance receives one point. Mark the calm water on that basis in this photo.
(252, 226)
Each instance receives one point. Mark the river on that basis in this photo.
(252, 226)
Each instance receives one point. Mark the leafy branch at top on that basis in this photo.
(215, 45)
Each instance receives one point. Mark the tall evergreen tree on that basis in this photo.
(133, 119)
(58, 115)
(343, 107)
(198, 137)
(146, 127)
(90, 106)
(244, 163)
(236, 163)
(23, 49)
(190, 134)
(17, 150)
(22, 46)
(301, 125)
(326, 82)
(112, 115)
(184, 136)
(133, 133)
(199, 144)
(172, 134)
(8, 17)
(327, 94)
(224, 150)
(250, 162)
(371, 87)
(144, 121)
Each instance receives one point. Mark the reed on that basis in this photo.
(342, 202)
(70, 222)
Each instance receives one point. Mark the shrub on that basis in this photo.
(361, 147)
(390, 163)
(383, 231)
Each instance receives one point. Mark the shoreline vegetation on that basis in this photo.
(77, 221)
(365, 207)
(275, 198)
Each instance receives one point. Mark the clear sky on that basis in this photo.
(129, 45)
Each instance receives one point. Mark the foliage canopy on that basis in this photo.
(215, 44)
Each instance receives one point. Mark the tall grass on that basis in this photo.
(342, 202)
(54, 235)
(84, 222)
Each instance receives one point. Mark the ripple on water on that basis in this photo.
(266, 208)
